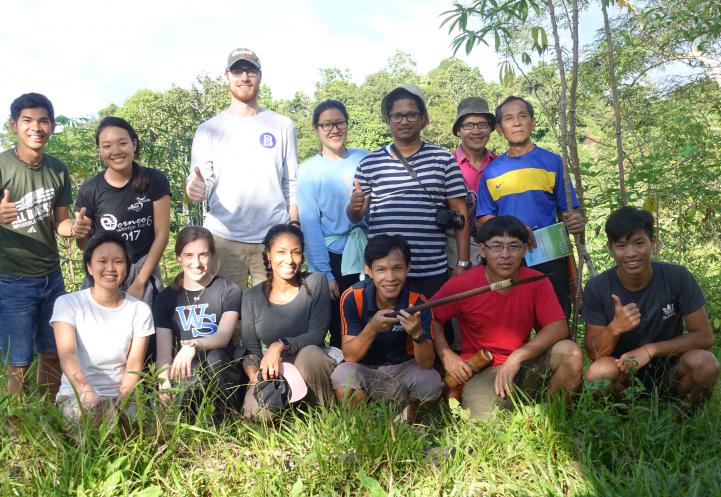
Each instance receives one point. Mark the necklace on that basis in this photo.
(38, 163)
(195, 299)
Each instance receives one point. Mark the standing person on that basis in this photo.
(35, 191)
(130, 199)
(412, 201)
(244, 162)
(334, 244)
(101, 334)
(288, 313)
(194, 320)
(636, 313)
(501, 322)
(387, 358)
(473, 125)
(527, 182)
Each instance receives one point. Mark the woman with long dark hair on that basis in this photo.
(130, 199)
(101, 334)
(334, 243)
(194, 320)
(288, 314)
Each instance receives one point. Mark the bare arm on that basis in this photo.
(356, 347)
(133, 367)
(161, 228)
(463, 235)
(601, 340)
(67, 352)
(452, 362)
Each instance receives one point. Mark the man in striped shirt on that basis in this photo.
(397, 203)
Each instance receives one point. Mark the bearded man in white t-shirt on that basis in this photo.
(244, 162)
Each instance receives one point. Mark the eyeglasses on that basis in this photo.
(340, 125)
(497, 248)
(483, 126)
(411, 117)
(252, 72)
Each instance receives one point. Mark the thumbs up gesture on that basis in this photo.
(358, 203)
(197, 189)
(82, 225)
(625, 317)
(8, 209)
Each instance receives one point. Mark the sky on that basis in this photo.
(86, 54)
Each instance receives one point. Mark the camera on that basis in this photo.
(446, 218)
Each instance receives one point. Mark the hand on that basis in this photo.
(505, 375)
(197, 189)
(458, 270)
(136, 289)
(89, 398)
(8, 209)
(457, 367)
(334, 290)
(625, 317)
(380, 322)
(270, 363)
(574, 222)
(531, 239)
(182, 364)
(358, 201)
(165, 397)
(634, 359)
(82, 226)
(411, 323)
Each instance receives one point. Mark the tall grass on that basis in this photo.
(641, 446)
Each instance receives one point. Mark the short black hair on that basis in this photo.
(106, 237)
(31, 101)
(381, 245)
(328, 104)
(513, 98)
(503, 225)
(627, 220)
(402, 94)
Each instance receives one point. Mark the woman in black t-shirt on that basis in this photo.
(130, 199)
(195, 319)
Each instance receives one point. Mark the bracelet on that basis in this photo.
(189, 343)
(647, 352)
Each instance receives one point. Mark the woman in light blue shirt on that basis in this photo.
(334, 244)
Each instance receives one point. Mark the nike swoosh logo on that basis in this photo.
(499, 185)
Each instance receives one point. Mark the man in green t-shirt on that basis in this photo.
(34, 200)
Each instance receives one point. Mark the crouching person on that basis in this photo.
(387, 358)
(101, 335)
(501, 322)
(635, 316)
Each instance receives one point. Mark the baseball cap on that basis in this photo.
(245, 54)
(472, 105)
(407, 88)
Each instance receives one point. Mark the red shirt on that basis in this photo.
(498, 322)
(471, 175)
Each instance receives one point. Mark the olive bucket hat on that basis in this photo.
(472, 105)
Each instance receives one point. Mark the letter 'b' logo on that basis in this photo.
(267, 140)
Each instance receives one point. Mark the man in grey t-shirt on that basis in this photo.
(244, 163)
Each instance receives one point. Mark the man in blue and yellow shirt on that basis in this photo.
(527, 182)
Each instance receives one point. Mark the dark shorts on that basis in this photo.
(658, 375)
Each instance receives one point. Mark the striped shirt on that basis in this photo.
(399, 205)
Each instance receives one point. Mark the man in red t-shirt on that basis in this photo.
(501, 322)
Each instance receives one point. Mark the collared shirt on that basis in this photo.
(358, 306)
(471, 175)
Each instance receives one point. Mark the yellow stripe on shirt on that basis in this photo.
(520, 181)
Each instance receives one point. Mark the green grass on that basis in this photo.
(637, 448)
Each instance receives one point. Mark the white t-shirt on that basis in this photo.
(103, 336)
(249, 165)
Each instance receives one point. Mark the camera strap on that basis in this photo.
(410, 170)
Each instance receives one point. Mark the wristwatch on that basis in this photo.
(464, 264)
(286, 346)
(420, 338)
(189, 343)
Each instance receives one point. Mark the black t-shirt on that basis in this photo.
(671, 294)
(123, 209)
(189, 318)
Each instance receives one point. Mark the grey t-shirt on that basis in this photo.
(302, 321)
(27, 245)
(671, 294)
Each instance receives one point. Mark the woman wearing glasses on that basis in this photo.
(334, 244)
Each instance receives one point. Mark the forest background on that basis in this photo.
(663, 77)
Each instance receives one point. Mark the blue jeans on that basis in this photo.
(26, 306)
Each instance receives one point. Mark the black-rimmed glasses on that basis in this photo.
(339, 125)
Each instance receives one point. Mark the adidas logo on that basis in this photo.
(668, 311)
